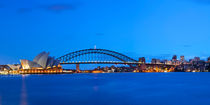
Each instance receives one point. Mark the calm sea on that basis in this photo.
(106, 89)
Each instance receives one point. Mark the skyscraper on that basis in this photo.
(142, 60)
(174, 58)
(197, 59)
(208, 59)
(182, 59)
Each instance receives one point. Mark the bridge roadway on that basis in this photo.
(110, 62)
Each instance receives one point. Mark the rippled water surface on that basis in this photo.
(106, 89)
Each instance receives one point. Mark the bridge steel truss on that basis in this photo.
(122, 59)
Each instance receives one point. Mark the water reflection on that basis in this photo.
(0, 101)
(95, 87)
(23, 92)
(105, 89)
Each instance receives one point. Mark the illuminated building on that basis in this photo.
(167, 62)
(208, 59)
(182, 59)
(97, 71)
(26, 64)
(174, 58)
(155, 61)
(197, 59)
(14, 67)
(41, 61)
(142, 60)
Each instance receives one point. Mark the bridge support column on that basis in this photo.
(142, 67)
(77, 68)
(139, 67)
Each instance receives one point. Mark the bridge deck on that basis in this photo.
(95, 62)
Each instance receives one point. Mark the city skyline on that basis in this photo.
(149, 59)
(104, 52)
(136, 28)
(108, 62)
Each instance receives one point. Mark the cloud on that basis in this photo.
(23, 10)
(60, 7)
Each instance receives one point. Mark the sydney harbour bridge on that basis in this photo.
(99, 56)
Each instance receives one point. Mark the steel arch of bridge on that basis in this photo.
(123, 59)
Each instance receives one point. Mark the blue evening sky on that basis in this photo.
(151, 28)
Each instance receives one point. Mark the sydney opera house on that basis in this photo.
(41, 61)
(41, 64)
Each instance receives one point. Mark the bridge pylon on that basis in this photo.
(77, 68)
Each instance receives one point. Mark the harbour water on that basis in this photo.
(106, 89)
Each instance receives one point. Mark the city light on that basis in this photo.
(156, 65)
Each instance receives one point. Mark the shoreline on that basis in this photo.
(95, 73)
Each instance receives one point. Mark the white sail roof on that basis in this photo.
(26, 64)
(43, 60)
(36, 59)
(14, 67)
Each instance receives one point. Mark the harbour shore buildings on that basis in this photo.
(42, 63)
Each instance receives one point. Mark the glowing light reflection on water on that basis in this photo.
(106, 89)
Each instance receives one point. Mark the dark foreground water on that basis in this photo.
(106, 89)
